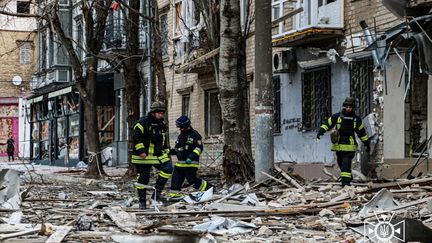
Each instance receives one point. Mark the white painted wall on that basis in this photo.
(24, 132)
(300, 146)
(16, 23)
(394, 112)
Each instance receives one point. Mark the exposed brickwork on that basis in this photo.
(10, 62)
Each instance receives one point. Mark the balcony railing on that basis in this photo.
(323, 14)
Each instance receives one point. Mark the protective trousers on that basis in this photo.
(190, 174)
(143, 177)
(344, 160)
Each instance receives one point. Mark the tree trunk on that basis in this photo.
(237, 161)
(132, 77)
(95, 168)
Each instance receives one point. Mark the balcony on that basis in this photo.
(312, 21)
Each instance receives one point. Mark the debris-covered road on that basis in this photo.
(53, 204)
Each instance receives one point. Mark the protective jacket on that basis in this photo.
(150, 137)
(188, 146)
(346, 125)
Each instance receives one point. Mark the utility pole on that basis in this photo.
(264, 153)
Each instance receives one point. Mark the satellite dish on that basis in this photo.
(17, 80)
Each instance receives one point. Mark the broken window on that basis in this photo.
(213, 113)
(163, 21)
(178, 18)
(278, 11)
(361, 77)
(277, 104)
(23, 7)
(186, 105)
(316, 97)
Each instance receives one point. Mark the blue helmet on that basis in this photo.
(183, 122)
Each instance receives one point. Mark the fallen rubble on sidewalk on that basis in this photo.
(65, 207)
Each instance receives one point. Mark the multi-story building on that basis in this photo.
(322, 54)
(17, 64)
(57, 122)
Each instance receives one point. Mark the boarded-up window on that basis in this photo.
(213, 113)
(25, 53)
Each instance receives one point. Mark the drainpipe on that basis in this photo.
(149, 57)
(370, 39)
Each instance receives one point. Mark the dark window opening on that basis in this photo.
(316, 96)
(23, 7)
(277, 104)
(361, 77)
(186, 105)
(213, 113)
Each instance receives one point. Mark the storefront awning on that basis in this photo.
(60, 92)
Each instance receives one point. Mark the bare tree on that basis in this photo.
(224, 30)
(95, 17)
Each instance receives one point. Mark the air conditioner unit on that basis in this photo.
(284, 62)
(62, 76)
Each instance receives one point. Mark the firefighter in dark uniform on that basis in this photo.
(151, 150)
(188, 149)
(346, 123)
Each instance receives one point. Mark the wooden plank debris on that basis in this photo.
(275, 179)
(289, 178)
(20, 233)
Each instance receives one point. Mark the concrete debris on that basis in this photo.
(283, 208)
(381, 201)
(220, 225)
(326, 213)
(10, 193)
(83, 223)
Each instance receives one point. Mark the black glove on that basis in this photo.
(157, 151)
(319, 135)
(173, 152)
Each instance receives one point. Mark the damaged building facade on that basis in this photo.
(191, 84)
(17, 63)
(55, 109)
(327, 51)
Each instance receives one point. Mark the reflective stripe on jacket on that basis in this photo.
(149, 137)
(346, 126)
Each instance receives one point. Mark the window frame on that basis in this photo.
(164, 32)
(186, 110)
(316, 119)
(208, 115)
(364, 105)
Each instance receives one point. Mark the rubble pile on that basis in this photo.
(65, 207)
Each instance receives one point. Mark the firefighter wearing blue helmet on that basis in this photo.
(188, 149)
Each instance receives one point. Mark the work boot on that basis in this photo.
(174, 196)
(142, 199)
(346, 182)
